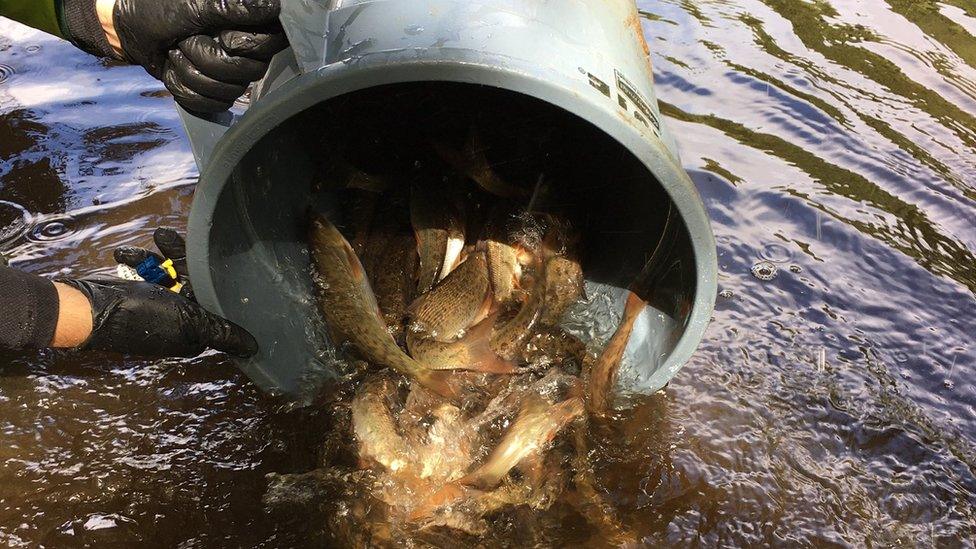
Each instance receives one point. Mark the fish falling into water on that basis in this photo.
(483, 328)
(350, 309)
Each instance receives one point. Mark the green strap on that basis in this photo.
(40, 14)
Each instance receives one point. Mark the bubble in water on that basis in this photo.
(32, 49)
(776, 253)
(52, 229)
(796, 269)
(948, 383)
(726, 294)
(764, 270)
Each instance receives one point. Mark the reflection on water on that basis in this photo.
(834, 140)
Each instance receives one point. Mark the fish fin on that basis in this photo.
(452, 256)
(483, 358)
(439, 381)
(415, 304)
(486, 309)
(355, 266)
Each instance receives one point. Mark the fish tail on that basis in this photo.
(438, 381)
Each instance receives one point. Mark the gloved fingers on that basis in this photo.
(133, 256)
(201, 83)
(239, 14)
(189, 99)
(253, 45)
(224, 336)
(172, 245)
(187, 292)
(213, 61)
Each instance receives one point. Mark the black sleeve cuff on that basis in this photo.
(80, 24)
(30, 308)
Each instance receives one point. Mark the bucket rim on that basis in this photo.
(309, 89)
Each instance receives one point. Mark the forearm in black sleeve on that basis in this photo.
(28, 310)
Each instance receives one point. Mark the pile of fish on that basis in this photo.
(472, 399)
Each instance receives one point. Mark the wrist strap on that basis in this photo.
(84, 29)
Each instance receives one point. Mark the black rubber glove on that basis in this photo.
(206, 52)
(171, 246)
(143, 319)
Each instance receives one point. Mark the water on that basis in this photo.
(833, 139)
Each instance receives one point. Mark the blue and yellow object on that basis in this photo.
(162, 273)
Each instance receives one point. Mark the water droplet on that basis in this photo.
(948, 383)
(726, 294)
(764, 270)
(905, 374)
(245, 300)
(796, 269)
(32, 49)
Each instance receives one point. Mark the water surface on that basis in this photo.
(834, 140)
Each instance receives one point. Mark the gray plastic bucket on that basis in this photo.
(375, 74)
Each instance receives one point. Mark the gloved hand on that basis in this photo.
(206, 52)
(148, 318)
(172, 271)
(145, 319)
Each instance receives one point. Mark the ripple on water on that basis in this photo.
(14, 220)
(6, 71)
(52, 229)
(149, 119)
(775, 253)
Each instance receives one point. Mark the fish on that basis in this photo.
(471, 352)
(590, 501)
(473, 164)
(447, 448)
(352, 177)
(554, 346)
(374, 427)
(455, 304)
(602, 377)
(393, 279)
(537, 423)
(504, 269)
(560, 284)
(358, 213)
(462, 508)
(351, 312)
(563, 287)
(439, 229)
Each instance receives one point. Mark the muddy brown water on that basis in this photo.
(831, 405)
